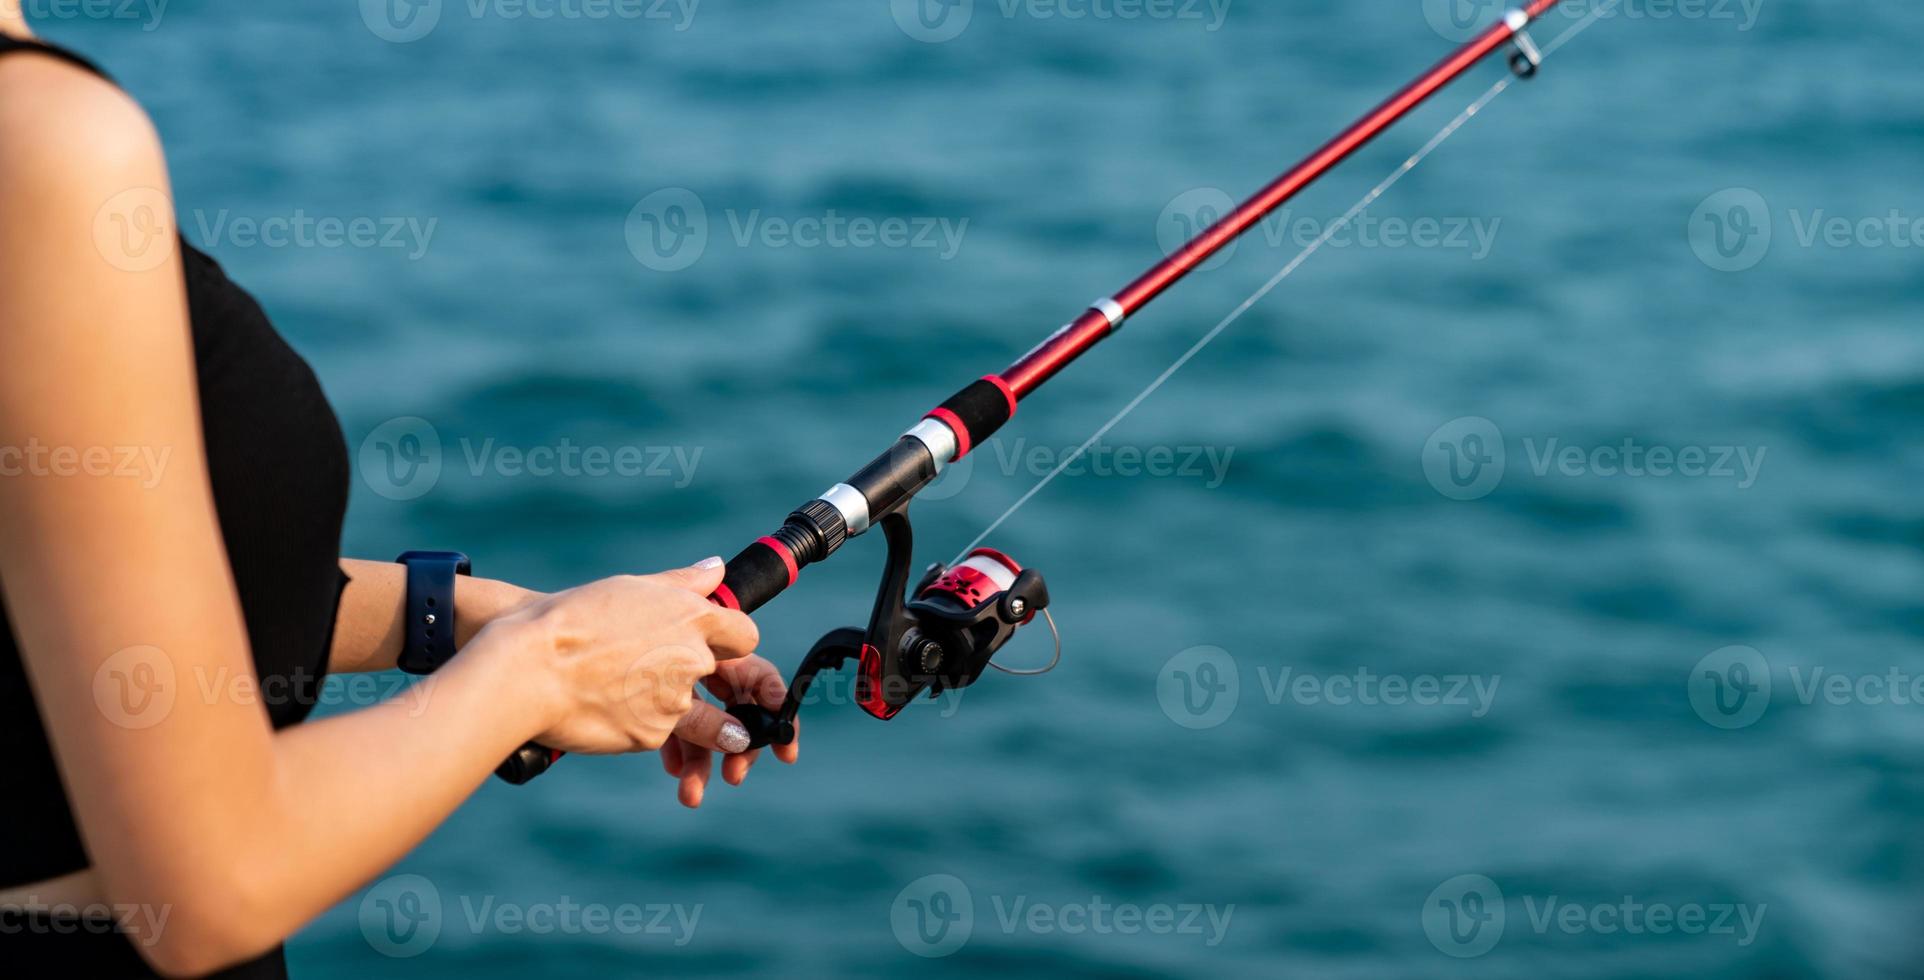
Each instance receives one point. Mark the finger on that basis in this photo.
(721, 683)
(700, 578)
(712, 728)
(735, 767)
(695, 769)
(770, 691)
(751, 680)
(792, 751)
(671, 756)
(730, 633)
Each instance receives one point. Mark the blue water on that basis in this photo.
(1591, 598)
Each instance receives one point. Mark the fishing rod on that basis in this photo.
(941, 634)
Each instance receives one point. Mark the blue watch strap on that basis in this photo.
(427, 639)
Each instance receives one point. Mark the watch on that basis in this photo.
(427, 639)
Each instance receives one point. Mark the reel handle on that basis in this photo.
(765, 727)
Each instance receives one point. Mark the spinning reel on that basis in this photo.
(939, 640)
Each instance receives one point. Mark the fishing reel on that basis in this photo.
(938, 636)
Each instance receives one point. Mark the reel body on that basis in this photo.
(936, 637)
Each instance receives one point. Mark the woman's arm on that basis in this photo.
(367, 628)
(367, 636)
(185, 797)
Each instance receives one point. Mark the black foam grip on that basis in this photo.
(756, 575)
(982, 407)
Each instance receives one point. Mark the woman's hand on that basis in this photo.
(689, 756)
(620, 657)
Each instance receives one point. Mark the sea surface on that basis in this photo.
(1528, 587)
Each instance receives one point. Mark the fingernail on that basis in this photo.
(712, 561)
(733, 738)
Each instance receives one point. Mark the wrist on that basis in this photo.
(519, 651)
(480, 601)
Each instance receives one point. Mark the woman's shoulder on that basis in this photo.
(67, 134)
(85, 214)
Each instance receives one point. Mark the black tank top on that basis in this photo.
(279, 470)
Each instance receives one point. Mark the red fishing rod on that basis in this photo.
(944, 636)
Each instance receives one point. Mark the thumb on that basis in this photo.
(701, 577)
(709, 726)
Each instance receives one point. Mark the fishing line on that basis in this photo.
(941, 631)
(1448, 130)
